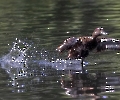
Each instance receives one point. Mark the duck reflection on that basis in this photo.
(79, 84)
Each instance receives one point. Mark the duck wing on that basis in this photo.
(68, 44)
(108, 44)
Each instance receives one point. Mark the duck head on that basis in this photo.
(98, 32)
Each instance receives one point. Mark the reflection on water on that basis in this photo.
(83, 85)
(43, 26)
(90, 85)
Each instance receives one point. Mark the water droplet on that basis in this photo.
(67, 32)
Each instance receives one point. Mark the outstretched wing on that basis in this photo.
(68, 44)
(108, 44)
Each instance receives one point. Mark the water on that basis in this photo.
(21, 66)
(35, 71)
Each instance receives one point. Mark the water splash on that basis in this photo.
(15, 62)
(52, 59)
(61, 64)
(21, 61)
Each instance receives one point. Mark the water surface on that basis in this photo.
(44, 25)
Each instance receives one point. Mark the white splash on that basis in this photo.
(15, 62)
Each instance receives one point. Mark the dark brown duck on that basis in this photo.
(79, 47)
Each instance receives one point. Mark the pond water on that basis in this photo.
(30, 67)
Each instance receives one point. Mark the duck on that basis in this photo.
(79, 47)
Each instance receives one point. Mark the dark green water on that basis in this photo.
(45, 24)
